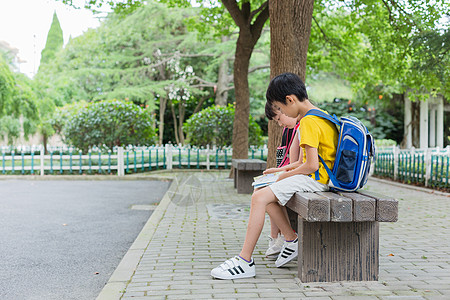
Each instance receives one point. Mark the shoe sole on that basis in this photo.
(239, 276)
(289, 259)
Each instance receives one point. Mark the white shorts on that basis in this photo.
(286, 188)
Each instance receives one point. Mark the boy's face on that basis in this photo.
(283, 120)
(290, 108)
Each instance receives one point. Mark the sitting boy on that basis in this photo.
(290, 142)
(287, 92)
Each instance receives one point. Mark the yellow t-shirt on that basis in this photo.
(322, 134)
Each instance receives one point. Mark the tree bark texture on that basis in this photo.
(162, 110)
(223, 79)
(290, 29)
(181, 113)
(244, 50)
(175, 125)
(415, 123)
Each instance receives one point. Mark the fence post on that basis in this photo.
(207, 157)
(396, 153)
(42, 161)
(169, 156)
(428, 162)
(120, 163)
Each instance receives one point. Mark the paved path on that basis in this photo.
(191, 232)
(62, 239)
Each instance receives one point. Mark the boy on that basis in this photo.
(291, 142)
(317, 136)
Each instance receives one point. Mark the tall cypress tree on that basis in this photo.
(54, 42)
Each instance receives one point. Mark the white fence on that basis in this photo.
(429, 167)
(121, 160)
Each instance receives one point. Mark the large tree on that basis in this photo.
(147, 56)
(18, 111)
(249, 17)
(47, 96)
(290, 28)
(250, 23)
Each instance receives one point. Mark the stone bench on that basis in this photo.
(244, 171)
(339, 234)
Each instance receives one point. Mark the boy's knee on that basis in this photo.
(260, 197)
(256, 197)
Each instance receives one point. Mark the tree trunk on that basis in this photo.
(222, 79)
(44, 141)
(290, 29)
(244, 48)
(162, 110)
(415, 123)
(199, 105)
(175, 125)
(181, 112)
(250, 25)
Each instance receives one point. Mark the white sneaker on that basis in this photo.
(234, 268)
(288, 253)
(275, 245)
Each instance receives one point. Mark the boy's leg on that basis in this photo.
(274, 230)
(279, 216)
(260, 199)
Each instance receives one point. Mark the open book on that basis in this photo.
(265, 179)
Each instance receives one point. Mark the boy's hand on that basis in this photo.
(282, 176)
(270, 170)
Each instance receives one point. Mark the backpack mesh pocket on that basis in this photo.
(346, 169)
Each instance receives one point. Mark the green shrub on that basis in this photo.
(107, 124)
(382, 123)
(214, 126)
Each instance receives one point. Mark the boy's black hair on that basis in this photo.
(270, 111)
(284, 85)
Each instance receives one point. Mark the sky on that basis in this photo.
(24, 25)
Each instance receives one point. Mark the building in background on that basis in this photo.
(12, 55)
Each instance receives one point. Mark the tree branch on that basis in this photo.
(402, 10)
(330, 41)
(257, 26)
(204, 81)
(256, 11)
(389, 10)
(200, 103)
(251, 70)
(187, 55)
(235, 12)
(200, 85)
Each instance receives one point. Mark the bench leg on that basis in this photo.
(338, 251)
(244, 180)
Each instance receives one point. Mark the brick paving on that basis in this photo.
(195, 234)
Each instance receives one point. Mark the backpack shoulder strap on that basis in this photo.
(284, 136)
(321, 114)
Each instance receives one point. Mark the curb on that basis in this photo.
(411, 187)
(83, 177)
(117, 283)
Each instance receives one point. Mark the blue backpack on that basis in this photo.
(354, 153)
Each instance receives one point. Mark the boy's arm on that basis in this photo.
(295, 156)
(311, 164)
(284, 168)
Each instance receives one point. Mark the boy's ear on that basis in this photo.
(289, 99)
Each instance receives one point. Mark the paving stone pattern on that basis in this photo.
(196, 234)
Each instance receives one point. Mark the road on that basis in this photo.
(63, 239)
